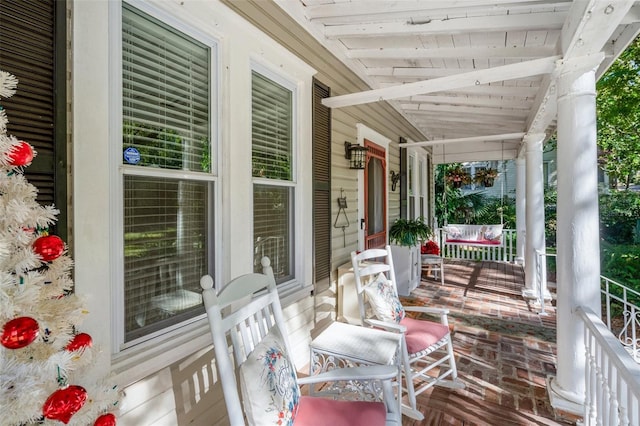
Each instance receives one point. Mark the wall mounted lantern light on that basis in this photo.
(356, 154)
(395, 178)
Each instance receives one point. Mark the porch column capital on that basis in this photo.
(533, 139)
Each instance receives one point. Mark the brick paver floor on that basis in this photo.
(504, 349)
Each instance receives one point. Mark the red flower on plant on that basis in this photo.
(430, 247)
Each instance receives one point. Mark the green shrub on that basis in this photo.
(619, 216)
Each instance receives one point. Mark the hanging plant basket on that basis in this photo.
(485, 177)
(457, 177)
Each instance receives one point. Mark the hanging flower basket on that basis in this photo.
(486, 176)
(457, 177)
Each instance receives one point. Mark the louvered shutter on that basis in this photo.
(33, 48)
(321, 188)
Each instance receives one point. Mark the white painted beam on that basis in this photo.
(590, 24)
(485, 101)
(459, 109)
(476, 52)
(521, 22)
(486, 138)
(475, 78)
(388, 10)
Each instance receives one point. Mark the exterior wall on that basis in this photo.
(174, 382)
(379, 117)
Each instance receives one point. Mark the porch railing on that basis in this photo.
(612, 377)
(622, 315)
(506, 252)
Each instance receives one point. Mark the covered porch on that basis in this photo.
(505, 349)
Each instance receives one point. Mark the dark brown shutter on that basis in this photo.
(33, 48)
(321, 188)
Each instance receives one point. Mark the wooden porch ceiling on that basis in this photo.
(468, 68)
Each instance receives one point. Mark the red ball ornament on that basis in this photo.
(79, 341)
(19, 332)
(106, 420)
(49, 247)
(64, 403)
(21, 154)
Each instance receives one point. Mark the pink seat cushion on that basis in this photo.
(329, 412)
(421, 334)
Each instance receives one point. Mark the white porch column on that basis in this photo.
(521, 202)
(578, 233)
(534, 212)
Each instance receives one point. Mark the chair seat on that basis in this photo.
(421, 334)
(329, 412)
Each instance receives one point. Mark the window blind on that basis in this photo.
(166, 103)
(271, 127)
(165, 94)
(273, 217)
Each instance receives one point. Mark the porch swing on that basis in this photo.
(460, 236)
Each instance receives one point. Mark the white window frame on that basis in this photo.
(126, 355)
(288, 288)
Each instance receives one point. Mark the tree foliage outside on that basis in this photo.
(618, 115)
(452, 206)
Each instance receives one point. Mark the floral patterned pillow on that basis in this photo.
(453, 232)
(493, 232)
(383, 299)
(269, 384)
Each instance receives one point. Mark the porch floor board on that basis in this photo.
(504, 349)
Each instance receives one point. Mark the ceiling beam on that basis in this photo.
(388, 9)
(475, 78)
(475, 52)
(487, 138)
(480, 101)
(521, 22)
(458, 110)
(586, 31)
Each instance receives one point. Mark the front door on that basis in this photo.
(375, 197)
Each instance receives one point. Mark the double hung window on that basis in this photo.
(167, 174)
(273, 171)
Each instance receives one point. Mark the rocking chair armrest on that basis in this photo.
(368, 372)
(387, 326)
(426, 310)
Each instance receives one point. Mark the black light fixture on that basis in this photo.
(356, 154)
(395, 178)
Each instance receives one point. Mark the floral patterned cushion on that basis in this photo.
(453, 232)
(383, 299)
(493, 232)
(268, 381)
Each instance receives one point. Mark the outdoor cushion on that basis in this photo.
(268, 382)
(493, 232)
(383, 299)
(421, 334)
(331, 412)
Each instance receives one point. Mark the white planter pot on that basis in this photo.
(407, 268)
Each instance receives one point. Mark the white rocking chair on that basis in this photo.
(247, 321)
(422, 338)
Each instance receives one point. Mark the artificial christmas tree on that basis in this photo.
(46, 370)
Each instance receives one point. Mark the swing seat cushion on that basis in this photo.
(486, 235)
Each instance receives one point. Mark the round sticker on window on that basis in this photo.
(132, 155)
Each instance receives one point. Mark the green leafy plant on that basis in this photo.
(409, 232)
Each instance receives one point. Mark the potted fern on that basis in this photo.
(409, 232)
(406, 236)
